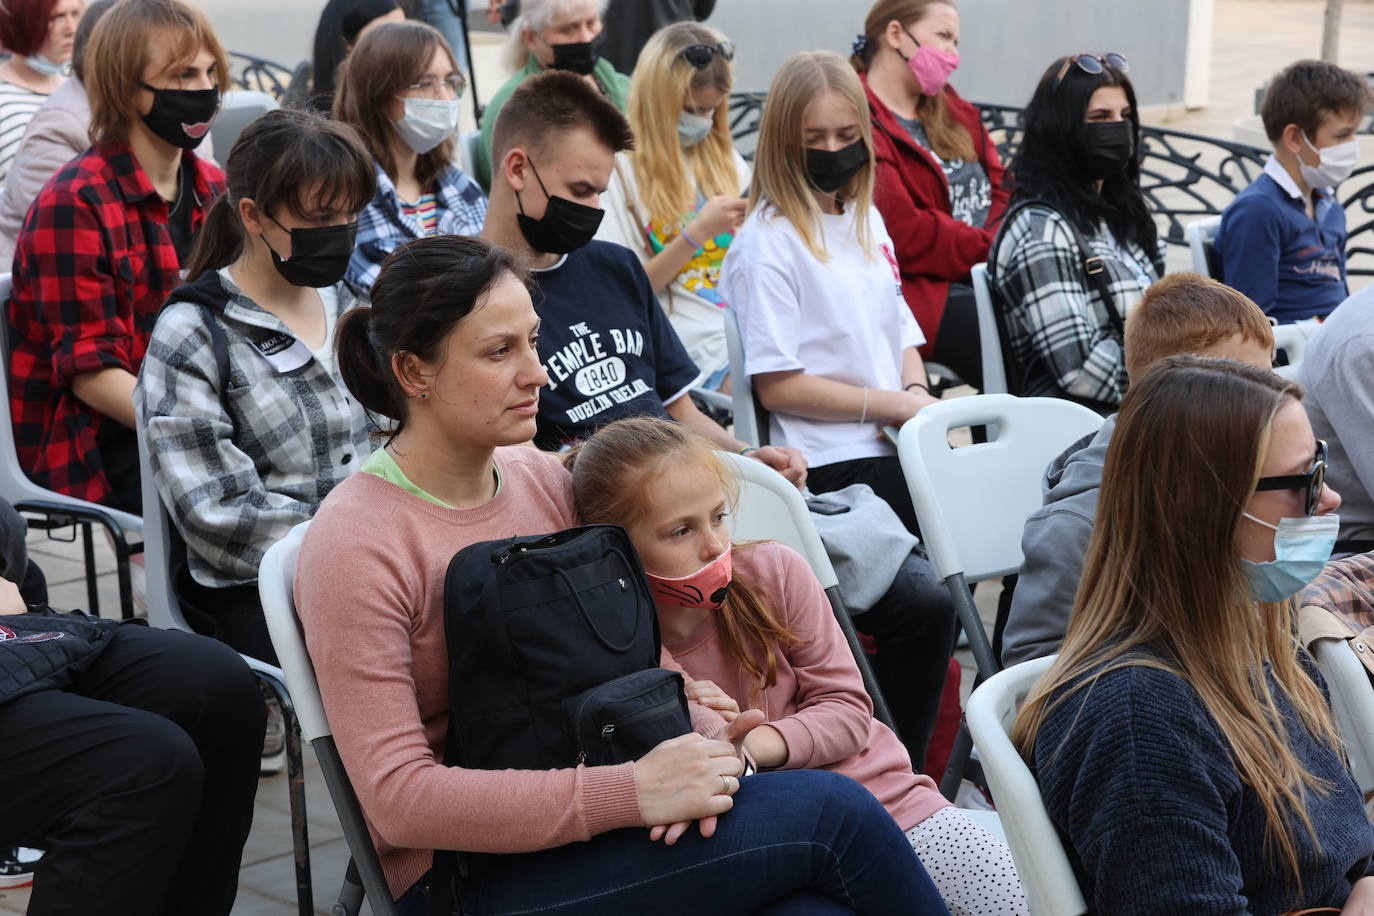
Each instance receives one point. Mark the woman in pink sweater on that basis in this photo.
(447, 352)
(755, 627)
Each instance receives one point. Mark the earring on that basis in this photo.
(424, 395)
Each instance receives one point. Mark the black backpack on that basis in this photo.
(553, 650)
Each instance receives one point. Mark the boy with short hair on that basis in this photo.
(1181, 314)
(1282, 240)
(607, 345)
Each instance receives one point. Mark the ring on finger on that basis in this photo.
(725, 782)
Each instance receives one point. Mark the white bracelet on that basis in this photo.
(864, 416)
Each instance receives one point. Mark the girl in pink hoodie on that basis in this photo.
(753, 627)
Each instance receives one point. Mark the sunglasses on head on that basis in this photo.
(699, 56)
(1092, 64)
(1312, 481)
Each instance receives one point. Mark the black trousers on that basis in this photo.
(138, 780)
(958, 345)
(913, 624)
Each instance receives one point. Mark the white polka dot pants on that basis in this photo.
(971, 868)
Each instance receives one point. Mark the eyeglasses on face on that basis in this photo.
(1312, 481)
(699, 56)
(1092, 64)
(430, 87)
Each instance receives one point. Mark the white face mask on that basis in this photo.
(427, 123)
(44, 66)
(1337, 162)
(693, 128)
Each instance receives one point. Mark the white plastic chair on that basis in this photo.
(1202, 236)
(772, 509)
(59, 509)
(1041, 862)
(164, 610)
(1292, 340)
(468, 142)
(751, 420)
(1352, 705)
(989, 338)
(237, 109)
(276, 583)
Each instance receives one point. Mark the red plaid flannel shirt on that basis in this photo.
(93, 265)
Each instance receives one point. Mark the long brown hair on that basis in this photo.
(387, 60)
(948, 138)
(1163, 586)
(661, 81)
(780, 179)
(611, 472)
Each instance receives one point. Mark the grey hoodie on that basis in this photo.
(1054, 542)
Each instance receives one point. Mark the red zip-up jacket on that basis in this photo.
(912, 193)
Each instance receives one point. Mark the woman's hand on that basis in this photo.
(896, 407)
(789, 462)
(720, 214)
(706, 693)
(735, 733)
(686, 778)
(1361, 899)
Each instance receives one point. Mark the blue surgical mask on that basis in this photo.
(1302, 546)
(693, 128)
(45, 66)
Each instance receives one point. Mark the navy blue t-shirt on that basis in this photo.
(606, 344)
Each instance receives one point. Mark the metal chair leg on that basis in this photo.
(295, 782)
(351, 893)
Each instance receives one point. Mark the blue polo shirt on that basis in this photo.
(1292, 265)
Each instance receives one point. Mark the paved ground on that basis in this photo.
(1254, 38)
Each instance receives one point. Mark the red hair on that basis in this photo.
(24, 25)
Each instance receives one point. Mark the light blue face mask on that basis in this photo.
(44, 66)
(1302, 546)
(693, 128)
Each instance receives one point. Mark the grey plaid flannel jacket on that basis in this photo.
(240, 461)
(1056, 323)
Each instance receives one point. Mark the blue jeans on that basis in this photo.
(439, 14)
(799, 842)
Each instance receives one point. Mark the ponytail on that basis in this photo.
(220, 241)
(367, 379)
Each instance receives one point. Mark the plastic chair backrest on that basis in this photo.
(276, 582)
(1292, 340)
(973, 501)
(772, 509)
(15, 485)
(1352, 705)
(741, 390)
(1202, 236)
(989, 341)
(163, 608)
(1041, 862)
(238, 108)
(467, 150)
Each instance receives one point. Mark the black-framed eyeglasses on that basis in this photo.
(1093, 64)
(430, 87)
(699, 56)
(1312, 481)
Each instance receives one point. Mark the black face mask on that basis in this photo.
(1108, 148)
(830, 170)
(565, 225)
(579, 57)
(181, 116)
(319, 254)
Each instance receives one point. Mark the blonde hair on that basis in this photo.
(661, 82)
(611, 472)
(1163, 586)
(536, 16)
(948, 138)
(780, 179)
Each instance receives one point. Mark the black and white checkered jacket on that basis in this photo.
(1058, 327)
(239, 461)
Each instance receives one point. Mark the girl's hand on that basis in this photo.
(789, 462)
(706, 693)
(899, 406)
(1361, 899)
(718, 215)
(11, 602)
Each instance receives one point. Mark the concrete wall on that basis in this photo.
(1006, 44)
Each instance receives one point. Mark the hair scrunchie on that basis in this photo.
(860, 45)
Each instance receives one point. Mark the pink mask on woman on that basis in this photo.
(931, 67)
(705, 588)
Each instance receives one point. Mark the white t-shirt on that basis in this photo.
(692, 301)
(329, 295)
(842, 319)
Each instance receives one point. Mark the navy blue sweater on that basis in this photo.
(1139, 779)
(1291, 264)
